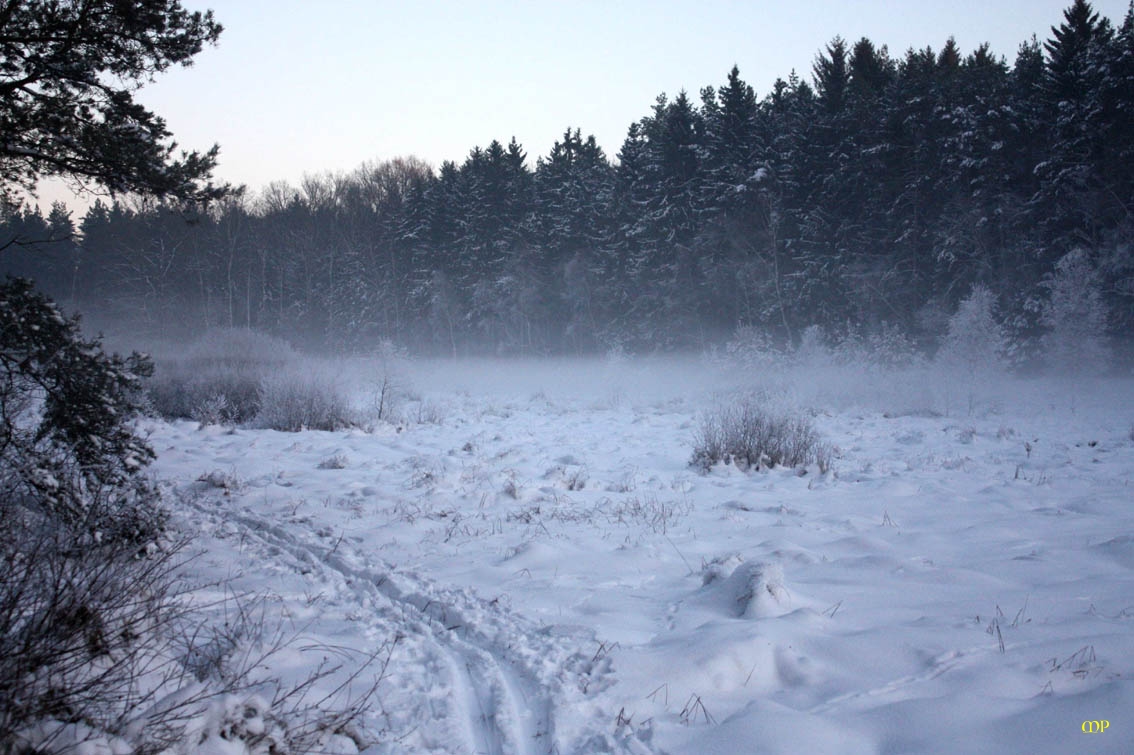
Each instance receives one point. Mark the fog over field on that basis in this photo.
(542, 566)
(848, 545)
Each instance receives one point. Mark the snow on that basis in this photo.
(546, 573)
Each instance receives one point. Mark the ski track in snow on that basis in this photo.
(508, 707)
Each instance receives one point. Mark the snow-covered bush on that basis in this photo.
(211, 395)
(240, 376)
(754, 590)
(100, 652)
(975, 342)
(886, 347)
(749, 434)
(335, 461)
(753, 349)
(1075, 316)
(218, 379)
(294, 400)
(974, 351)
(813, 351)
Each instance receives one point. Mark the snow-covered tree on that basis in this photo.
(975, 343)
(1076, 316)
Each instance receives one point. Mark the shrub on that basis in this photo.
(81, 633)
(886, 347)
(100, 652)
(749, 435)
(240, 376)
(292, 401)
(813, 351)
(77, 600)
(209, 394)
(387, 397)
(753, 349)
(235, 699)
(389, 386)
(218, 379)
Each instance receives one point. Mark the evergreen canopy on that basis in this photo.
(68, 73)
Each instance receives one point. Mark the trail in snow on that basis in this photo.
(506, 703)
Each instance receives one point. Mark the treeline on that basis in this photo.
(877, 194)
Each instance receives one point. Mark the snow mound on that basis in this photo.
(1120, 548)
(754, 590)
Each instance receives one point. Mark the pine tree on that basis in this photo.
(67, 440)
(807, 276)
(976, 231)
(949, 59)
(1069, 50)
(736, 218)
(871, 71)
(1116, 260)
(67, 81)
(666, 192)
(732, 143)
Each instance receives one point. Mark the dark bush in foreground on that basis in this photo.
(83, 627)
(749, 435)
(76, 596)
(101, 651)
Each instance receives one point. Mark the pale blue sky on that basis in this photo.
(301, 87)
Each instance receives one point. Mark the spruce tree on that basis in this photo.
(832, 76)
(1069, 200)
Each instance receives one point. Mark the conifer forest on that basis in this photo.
(867, 195)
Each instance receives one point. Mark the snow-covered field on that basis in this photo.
(536, 568)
